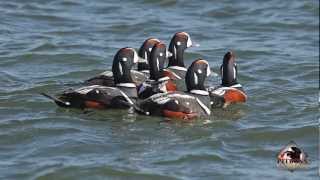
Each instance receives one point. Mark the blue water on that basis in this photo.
(48, 46)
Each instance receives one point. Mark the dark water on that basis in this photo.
(52, 45)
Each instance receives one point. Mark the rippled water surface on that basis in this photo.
(48, 46)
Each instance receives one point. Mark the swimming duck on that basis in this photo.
(230, 91)
(158, 82)
(144, 52)
(123, 95)
(183, 105)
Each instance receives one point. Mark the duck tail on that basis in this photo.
(58, 101)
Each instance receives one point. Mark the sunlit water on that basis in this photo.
(48, 46)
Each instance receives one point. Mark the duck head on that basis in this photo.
(179, 43)
(229, 70)
(196, 75)
(145, 51)
(158, 57)
(123, 62)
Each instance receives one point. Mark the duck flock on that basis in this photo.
(153, 89)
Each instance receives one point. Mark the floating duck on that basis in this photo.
(122, 95)
(194, 103)
(230, 91)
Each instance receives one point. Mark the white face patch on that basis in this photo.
(195, 78)
(161, 54)
(178, 43)
(150, 49)
(208, 70)
(124, 59)
(168, 54)
(199, 71)
(189, 42)
(135, 56)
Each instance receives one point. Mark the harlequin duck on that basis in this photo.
(106, 78)
(230, 91)
(158, 82)
(194, 103)
(144, 52)
(292, 157)
(176, 68)
(123, 95)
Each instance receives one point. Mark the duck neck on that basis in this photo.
(177, 55)
(156, 64)
(229, 73)
(121, 73)
(145, 54)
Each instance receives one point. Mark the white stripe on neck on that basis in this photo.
(178, 68)
(131, 85)
(199, 92)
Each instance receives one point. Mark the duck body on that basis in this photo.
(98, 97)
(194, 103)
(122, 95)
(178, 105)
(230, 91)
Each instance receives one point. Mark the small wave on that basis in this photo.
(164, 3)
(191, 158)
(93, 172)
